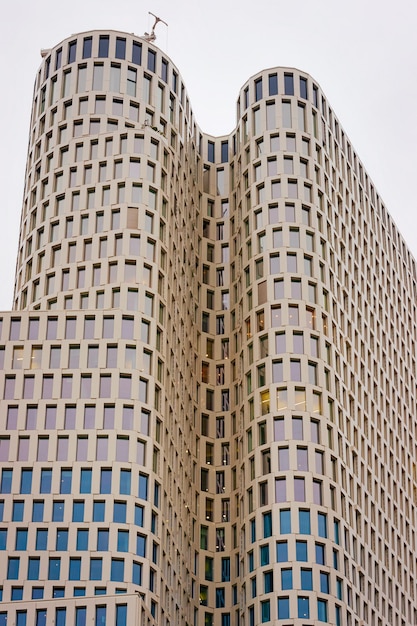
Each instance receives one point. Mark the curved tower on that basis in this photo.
(208, 376)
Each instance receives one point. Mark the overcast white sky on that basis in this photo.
(362, 52)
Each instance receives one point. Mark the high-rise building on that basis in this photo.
(208, 378)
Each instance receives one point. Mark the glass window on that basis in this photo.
(96, 569)
(37, 511)
(136, 53)
(273, 84)
(301, 550)
(78, 511)
(58, 511)
(304, 522)
(306, 579)
(299, 489)
(18, 510)
(119, 512)
(21, 539)
(13, 564)
(322, 525)
(87, 47)
(102, 539)
(303, 605)
(98, 510)
(122, 540)
(33, 568)
(282, 551)
(66, 481)
(61, 539)
(324, 582)
(320, 554)
(286, 579)
(120, 48)
(103, 46)
(54, 568)
(41, 539)
(117, 570)
(322, 610)
(121, 614)
(283, 608)
(26, 481)
(285, 521)
(143, 487)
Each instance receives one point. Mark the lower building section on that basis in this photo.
(125, 610)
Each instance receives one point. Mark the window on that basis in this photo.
(280, 490)
(26, 481)
(78, 511)
(322, 525)
(265, 610)
(41, 617)
(120, 48)
(324, 582)
(306, 579)
(264, 555)
(117, 570)
(95, 569)
(66, 480)
(283, 608)
(18, 510)
(58, 511)
(285, 521)
(105, 481)
(136, 53)
(61, 539)
(131, 81)
(322, 610)
(119, 512)
(13, 564)
(37, 511)
(21, 539)
(282, 551)
(103, 46)
(299, 489)
(85, 480)
(33, 568)
(41, 539)
(320, 554)
(273, 84)
(303, 606)
(87, 47)
(301, 550)
(286, 579)
(54, 568)
(121, 614)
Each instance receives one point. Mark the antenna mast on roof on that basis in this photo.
(151, 37)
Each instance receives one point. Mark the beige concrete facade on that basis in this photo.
(208, 378)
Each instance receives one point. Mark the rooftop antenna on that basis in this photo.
(151, 37)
